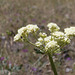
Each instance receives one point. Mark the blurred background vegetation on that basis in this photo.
(18, 13)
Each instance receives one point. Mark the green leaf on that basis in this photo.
(38, 51)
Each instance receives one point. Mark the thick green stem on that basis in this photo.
(52, 64)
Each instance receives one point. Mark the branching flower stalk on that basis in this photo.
(46, 44)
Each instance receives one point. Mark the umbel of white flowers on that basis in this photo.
(47, 43)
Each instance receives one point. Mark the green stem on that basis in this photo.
(30, 42)
(52, 64)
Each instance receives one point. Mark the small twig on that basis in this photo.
(39, 60)
(43, 65)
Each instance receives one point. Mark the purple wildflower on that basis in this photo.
(33, 20)
(68, 58)
(34, 69)
(43, 21)
(25, 50)
(57, 53)
(10, 19)
(1, 58)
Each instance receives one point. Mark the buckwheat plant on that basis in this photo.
(46, 44)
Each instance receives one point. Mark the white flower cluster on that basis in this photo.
(17, 37)
(40, 39)
(53, 27)
(39, 42)
(52, 46)
(66, 40)
(43, 35)
(70, 31)
(48, 39)
(61, 38)
(52, 42)
(58, 34)
(32, 28)
(24, 31)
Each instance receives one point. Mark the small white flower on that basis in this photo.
(32, 28)
(40, 39)
(61, 38)
(66, 40)
(58, 34)
(17, 37)
(21, 30)
(43, 35)
(38, 44)
(51, 45)
(70, 31)
(48, 39)
(53, 27)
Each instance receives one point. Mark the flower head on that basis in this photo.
(1, 58)
(22, 30)
(52, 45)
(48, 39)
(66, 40)
(68, 58)
(43, 35)
(40, 39)
(38, 44)
(34, 69)
(32, 28)
(70, 31)
(58, 34)
(25, 50)
(53, 27)
(61, 38)
(17, 37)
